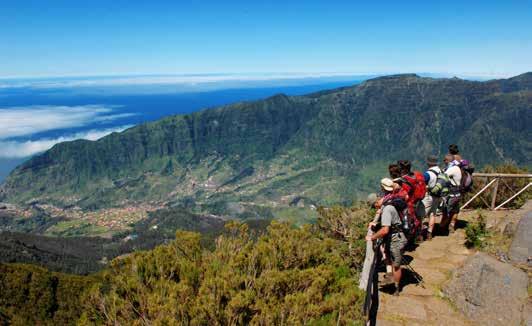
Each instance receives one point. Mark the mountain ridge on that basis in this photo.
(328, 146)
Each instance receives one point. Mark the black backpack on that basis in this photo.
(466, 170)
(400, 206)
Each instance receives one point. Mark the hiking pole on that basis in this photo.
(416, 275)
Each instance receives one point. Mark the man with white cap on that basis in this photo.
(391, 229)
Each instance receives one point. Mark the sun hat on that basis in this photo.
(387, 184)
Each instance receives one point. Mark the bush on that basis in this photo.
(286, 275)
(289, 275)
(348, 225)
(476, 233)
(31, 295)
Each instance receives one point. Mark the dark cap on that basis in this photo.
(453, 149)
(404, 166)
(432, 160)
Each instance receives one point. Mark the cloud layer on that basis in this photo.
(19, 149)
(18, 123)
(105, 81)
(23, 121)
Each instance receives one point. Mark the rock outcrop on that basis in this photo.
(489, 292)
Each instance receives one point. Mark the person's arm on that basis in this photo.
(380, 234)
(386, 221)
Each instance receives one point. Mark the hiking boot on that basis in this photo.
(429, 236)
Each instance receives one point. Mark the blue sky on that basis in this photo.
(65, 38)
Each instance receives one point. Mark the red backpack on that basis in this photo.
(417, 186)
(416, 192)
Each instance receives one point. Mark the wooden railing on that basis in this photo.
(494, 180)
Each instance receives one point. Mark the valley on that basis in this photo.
(278, 158)
(328, 147)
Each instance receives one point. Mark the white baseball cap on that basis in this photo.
(387, 184)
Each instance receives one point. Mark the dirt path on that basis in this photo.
(434, 261)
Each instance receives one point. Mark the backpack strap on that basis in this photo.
(453, 187)
(436, 174)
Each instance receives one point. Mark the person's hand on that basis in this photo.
(368, 238)
(371, 224)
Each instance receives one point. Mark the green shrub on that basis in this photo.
(476, 233)
(289, 275)
(31, 295)
(286, 275)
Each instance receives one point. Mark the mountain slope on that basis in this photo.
(320, 148)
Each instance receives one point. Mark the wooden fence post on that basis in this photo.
(478, 194)
(515, 195)
(496, 179)
(494, 194)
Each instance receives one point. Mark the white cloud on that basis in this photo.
(22, 121)
(19, 149)
(190, 80)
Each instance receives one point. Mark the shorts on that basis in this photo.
(452, 205)
(431, 204)
(395, 247)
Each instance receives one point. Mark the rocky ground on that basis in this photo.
(424, 303)
(461, 286)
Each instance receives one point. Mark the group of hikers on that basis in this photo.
(407, 207)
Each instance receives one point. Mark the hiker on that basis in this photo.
(432, 201)
(390, 229)
(451, 206)
(414, 185)
(453, 150)
(394, 171)
(376, 202)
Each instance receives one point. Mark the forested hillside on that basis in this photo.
(321, 148)
(84, 254)
(283, 275)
